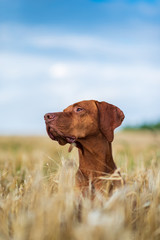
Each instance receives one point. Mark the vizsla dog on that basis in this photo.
(90, 126)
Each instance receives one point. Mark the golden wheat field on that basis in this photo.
(38, 200)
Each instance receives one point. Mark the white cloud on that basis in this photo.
(59, 70)
(33, 82)
(74, 77)
(16, 67)
(69, 41)
(107, 46)
(110, 72)
(139, 43)
(8, 95)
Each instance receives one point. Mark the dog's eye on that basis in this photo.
(79, 109)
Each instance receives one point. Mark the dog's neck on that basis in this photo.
(95, 160)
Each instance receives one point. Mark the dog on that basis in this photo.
(89, 125)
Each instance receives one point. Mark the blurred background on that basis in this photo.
(56, 52)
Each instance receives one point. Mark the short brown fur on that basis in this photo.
(90, 126)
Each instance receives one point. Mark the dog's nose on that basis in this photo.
(49, 116)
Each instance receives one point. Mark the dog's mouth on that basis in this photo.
(62, 140)
(51, 135)
(60, 137)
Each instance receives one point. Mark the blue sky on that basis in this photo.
(56, 52)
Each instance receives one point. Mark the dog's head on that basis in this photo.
(82, 120)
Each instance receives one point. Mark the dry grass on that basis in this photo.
(38, 199)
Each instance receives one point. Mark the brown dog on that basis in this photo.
(90, 126)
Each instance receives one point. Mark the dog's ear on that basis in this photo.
(110, 117)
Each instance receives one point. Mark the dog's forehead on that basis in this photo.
(86, 104)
